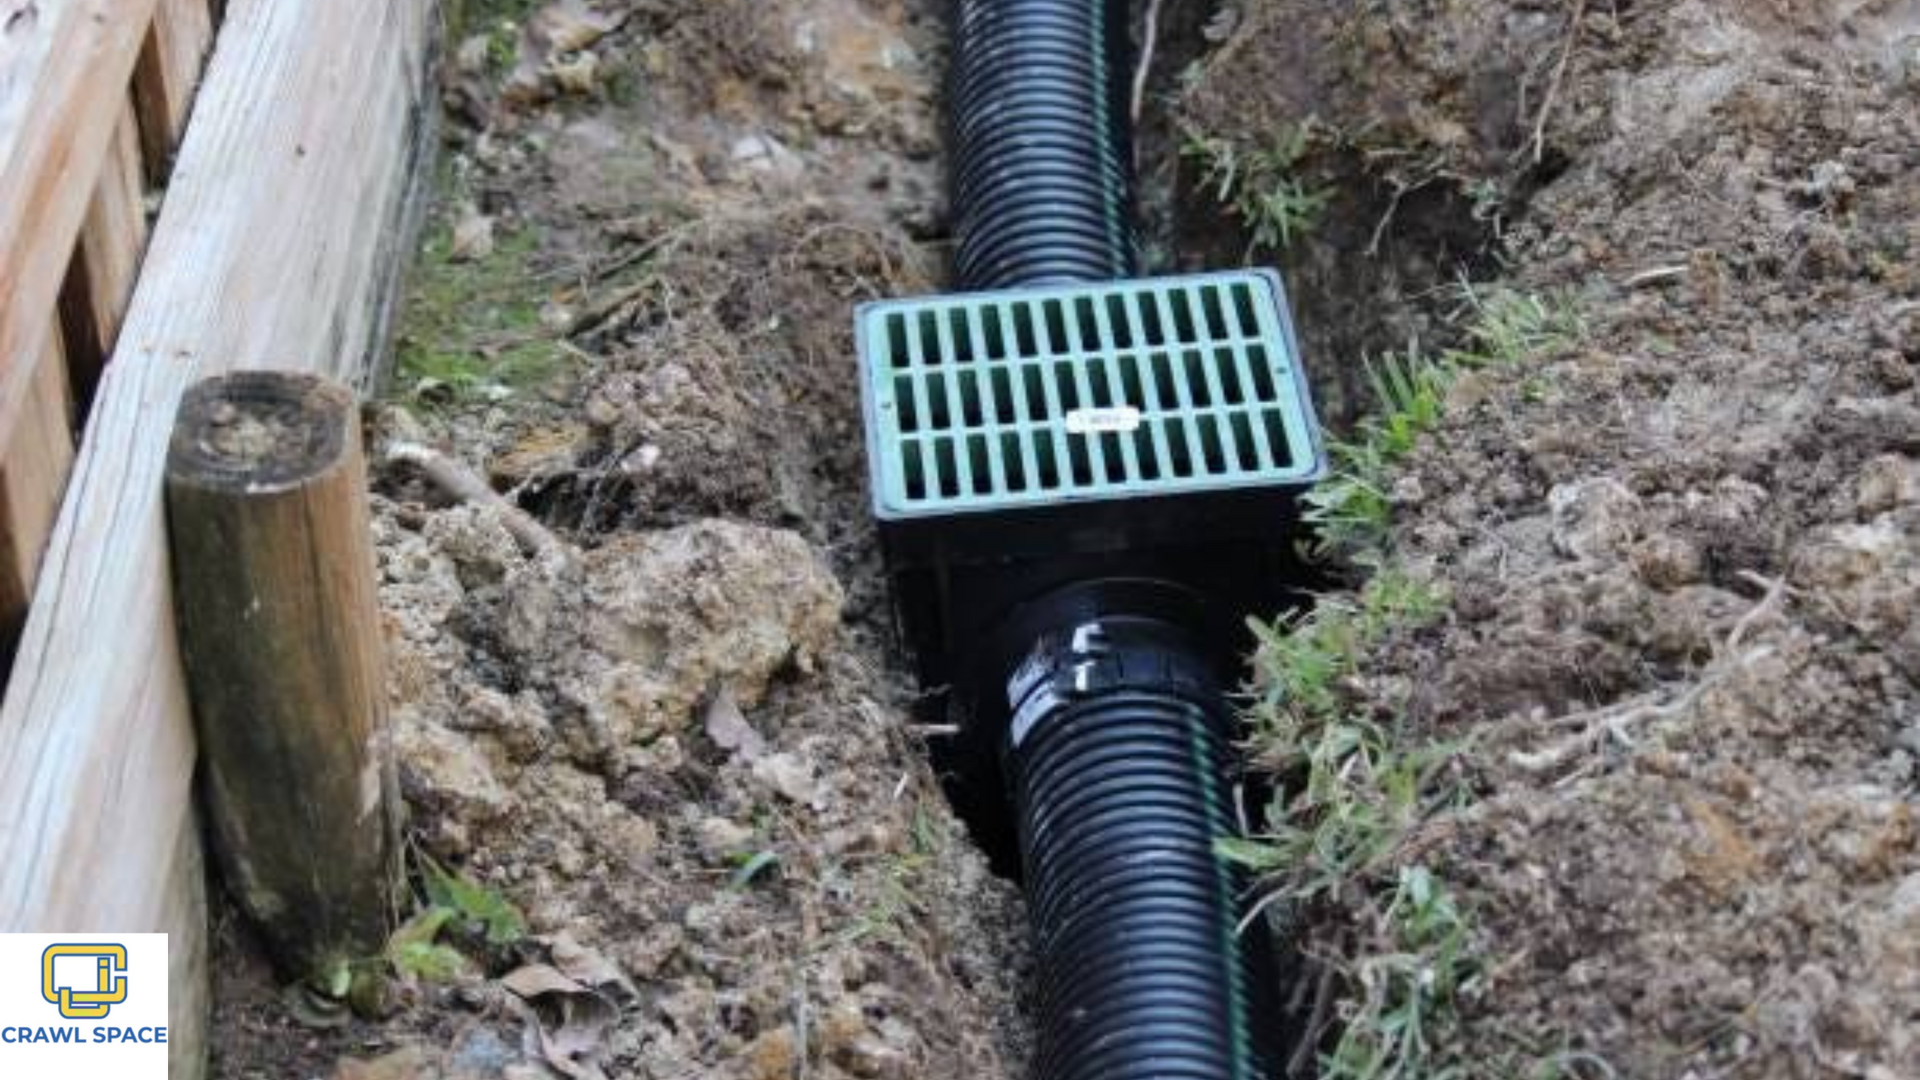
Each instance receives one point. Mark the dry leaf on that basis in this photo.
(560, 28)
(571, 25)
(576, 1044)
(568, 1019)
(540, 453)
(790, 776)
(588, 967)
(576, 76)
(727, 726)
(471, 57)
(1222, 25)
(535, 980)
(312, 1009)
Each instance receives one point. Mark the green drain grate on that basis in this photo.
(1161, 386)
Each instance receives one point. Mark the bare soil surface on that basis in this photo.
(676, 741)
(1684, 556)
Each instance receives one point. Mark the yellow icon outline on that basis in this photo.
(86, 1004)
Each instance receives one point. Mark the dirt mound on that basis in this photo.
(675, 743)
(728, 387)
(1681, 554)
(613, 740)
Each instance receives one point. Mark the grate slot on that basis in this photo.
(914, 468)
(945, 480)
(1124, 321)
(1186, 446)
(1212, 446)
(1233, 390)
(1013, 457)
(1057, 385)
(1089, 324)
(926, 338)
(1055, 325)
(1146, 304)
(1146, 452)
(896, 339)
(1123, 382)
(1022, 317)
(1048, 476)
(977, 462)
(969, 411)
(956, 338)
(1263, 388)
(1210, 305)
(939, 411)
(1000, 391)
(998, 400)
(1180, 315)
(1243, 307)
(993, 333)
(1240, 437)
(929, 481)
(1273, 423)
(903, 395)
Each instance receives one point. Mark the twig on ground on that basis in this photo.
(1656, 276)
(462, 483)
(597, 314)
(1776, 590)
(639, 253)
(1149, 38)
(1559, 77)
(1616, 720)
(1300, 1062)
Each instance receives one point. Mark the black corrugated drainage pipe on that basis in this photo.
(1117, 744)
(1042, 148)
(1116, 752)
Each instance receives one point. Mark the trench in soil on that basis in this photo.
(721, 390)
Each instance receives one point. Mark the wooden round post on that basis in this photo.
(280, 631)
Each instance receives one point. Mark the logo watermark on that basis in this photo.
(92, 1004)
(83, 1006)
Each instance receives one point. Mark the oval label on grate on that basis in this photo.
(1119, 418)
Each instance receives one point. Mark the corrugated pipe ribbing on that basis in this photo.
(1042, 177)
(1116, 755)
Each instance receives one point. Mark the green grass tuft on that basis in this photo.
(1353, 786)
(471, 331)
(1408, 992)
(1352, 509)
(1263, 186)
(1350, 791)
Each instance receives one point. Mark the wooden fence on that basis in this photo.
(149, 236)
(96, 96)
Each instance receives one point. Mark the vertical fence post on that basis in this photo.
(280, 631)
